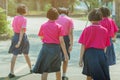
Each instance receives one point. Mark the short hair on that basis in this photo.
(95, 15)
(52, 14)
(63, 10)
(21, 9)
(105, 11)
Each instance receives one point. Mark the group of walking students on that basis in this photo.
(96, 53)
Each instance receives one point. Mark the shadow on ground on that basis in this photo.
(15, 78)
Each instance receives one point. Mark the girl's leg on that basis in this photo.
(58, 75)
(64, 67)
(44, 76)
(28, 60)
(13, 60)
(89, 78)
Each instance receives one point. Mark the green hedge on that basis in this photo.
(5, 31)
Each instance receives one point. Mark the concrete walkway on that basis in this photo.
(74, 73)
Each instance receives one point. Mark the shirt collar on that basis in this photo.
(51, 20)
(95, 24)
(62, 15)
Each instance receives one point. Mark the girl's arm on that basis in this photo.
(22, 31)
(114, 38)
(71, 39)
(62, 44)
(105, 49)
(81, 55)
(41, 37)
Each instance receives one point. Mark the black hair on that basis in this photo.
(21, 9)
(105, 11)
(95, 15)
(52, 14)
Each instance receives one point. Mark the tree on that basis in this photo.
(37, 5)
(106, 2)
(11, 8)
(95, 3)
(63, 3)
(91, 4)
(117, 15)
(19, 1)
(59, 3)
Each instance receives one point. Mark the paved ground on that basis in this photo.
(21, 68)
(74, 73)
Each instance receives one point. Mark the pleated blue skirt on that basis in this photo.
(49, 59)
(95, 64)
(24, 46)
(67, 45)
(110, 53)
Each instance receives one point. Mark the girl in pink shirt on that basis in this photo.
(67, 25)
(20, 42)
(49, 59)
(112, 28)
(94, 40)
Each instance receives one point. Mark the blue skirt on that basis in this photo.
(95, 64)
(110, 53)
(49, 59)
(24, 46)
(67, 44)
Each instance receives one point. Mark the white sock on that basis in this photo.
(64, 74)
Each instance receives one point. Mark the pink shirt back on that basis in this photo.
(51, 31)
(18, 23)
(66, 22)
(110, 25)
(95, 36)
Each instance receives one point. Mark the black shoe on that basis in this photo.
(31, 71)
(11, 75)
(64, 78)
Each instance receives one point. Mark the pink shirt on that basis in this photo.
(51, 31)
(18, 23)
(110, 25)
(66, 22)
(95, 36)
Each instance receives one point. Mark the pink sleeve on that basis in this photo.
(40, 33)
(108, 40)
(71, 23)
(61, 31)
(115, 26)
(82, 37)
(24, 24)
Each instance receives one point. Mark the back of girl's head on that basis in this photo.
(63, 10)
(52, 14)
(95, 15)
(105, 11)
(21, 9)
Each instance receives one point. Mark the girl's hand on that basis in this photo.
(66, 57)
(70, 48)
(18, 44)
(113, 39)
(80, 63)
